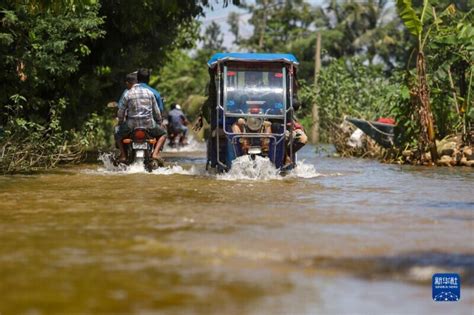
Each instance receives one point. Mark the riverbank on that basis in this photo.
(452, 150)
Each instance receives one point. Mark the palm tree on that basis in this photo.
(356, 27)
(420, 94)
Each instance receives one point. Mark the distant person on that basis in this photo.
(139, 109)
(177, 123)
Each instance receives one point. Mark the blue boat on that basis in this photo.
(382, 133)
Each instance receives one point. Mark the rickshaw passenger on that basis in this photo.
(299, 136)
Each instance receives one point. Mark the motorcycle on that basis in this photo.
(175, 137)
(139, 147)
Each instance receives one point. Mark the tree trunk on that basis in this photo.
(261, 40)
(425, 115)
(315, 109)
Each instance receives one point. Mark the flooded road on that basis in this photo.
(337, 236)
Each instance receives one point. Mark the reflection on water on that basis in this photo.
(338, 236)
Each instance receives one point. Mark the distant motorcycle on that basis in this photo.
(176, 138)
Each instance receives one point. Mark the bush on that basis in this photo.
(29, 146)
(349, 88)
(97, 133)
(192, 106)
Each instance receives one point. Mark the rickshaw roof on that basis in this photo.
(252, 57)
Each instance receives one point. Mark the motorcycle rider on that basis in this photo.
(139, 109)
(143, 77)
(177, 122)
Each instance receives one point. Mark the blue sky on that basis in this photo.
(219, 15)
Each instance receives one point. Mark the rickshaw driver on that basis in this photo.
(139, 110)
(239, 127)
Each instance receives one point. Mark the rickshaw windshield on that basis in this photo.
(255, 91)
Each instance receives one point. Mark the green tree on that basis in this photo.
(276, 23)
(450, 51)
(40, 51)
(420, 90)
(182, 77)
(233, 21)
(348, 87)
(212, 42)
(213, 38)
(281, 26)
(369, 29)
(41, 47)
(61, 61)
(444, 54)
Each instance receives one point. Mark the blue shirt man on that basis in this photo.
(143, 77)
(156, 93)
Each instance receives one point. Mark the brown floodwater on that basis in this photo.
(338, 236)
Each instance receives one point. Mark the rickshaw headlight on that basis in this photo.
(254, 123)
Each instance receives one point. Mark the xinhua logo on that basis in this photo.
(446, 287)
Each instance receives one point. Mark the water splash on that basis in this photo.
(304, 170)
(244, 168)
(192, 146)
(107, 160)
(177, 169)
(109, 168)
(108, 165)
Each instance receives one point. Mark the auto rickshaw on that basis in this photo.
(250, 101)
